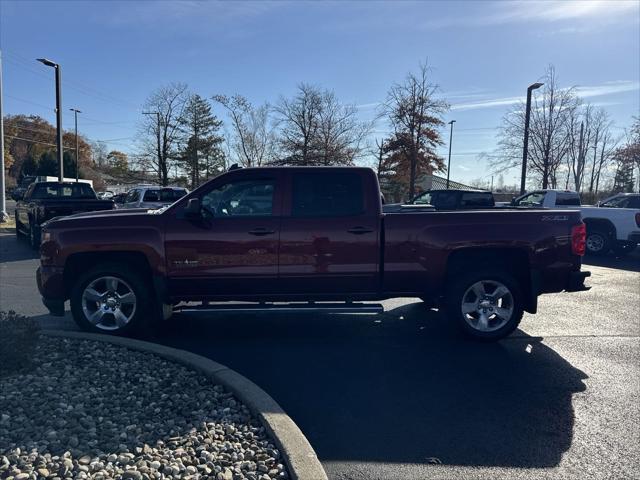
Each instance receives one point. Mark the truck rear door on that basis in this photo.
(329, 237)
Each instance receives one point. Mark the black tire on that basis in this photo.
(622, 249)
(598, 242)
(19, 235)
(34, 236)
(145, 307)
(498, 328)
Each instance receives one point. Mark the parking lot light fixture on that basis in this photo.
(49, 63)
(525, 148)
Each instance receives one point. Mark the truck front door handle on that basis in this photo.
(359, 230)
(261, 231)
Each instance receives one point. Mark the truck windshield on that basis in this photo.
(65, 191)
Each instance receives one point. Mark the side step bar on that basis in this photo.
(368, 308)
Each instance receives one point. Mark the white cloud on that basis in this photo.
(499, 13)
(608, 88)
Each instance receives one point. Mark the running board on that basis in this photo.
(368, 308)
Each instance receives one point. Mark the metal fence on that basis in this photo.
(434, 182)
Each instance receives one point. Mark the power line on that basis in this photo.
(32, 103)
(25, 64)
(38, 142)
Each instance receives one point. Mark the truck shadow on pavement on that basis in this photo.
(403, 387)
(629, 262)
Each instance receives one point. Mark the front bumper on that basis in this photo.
(576, 282)
(50, 282)
(634, 237)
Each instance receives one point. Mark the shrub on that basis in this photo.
(18, 339)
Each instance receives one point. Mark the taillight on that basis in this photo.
(579, 239)
(638, 219)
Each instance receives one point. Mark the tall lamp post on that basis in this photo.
(75, 113)
(49, 63)
(3, 205)
(525, 149)
(450, 142)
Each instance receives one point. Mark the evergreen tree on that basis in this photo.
(48, 164)
(201, 143)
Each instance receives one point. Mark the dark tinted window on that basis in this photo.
(477, 200)
(132, 196)
(151, 196)
(568, 199)
(64, 191)
(444, 200)
(327, 194)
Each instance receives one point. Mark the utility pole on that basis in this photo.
(3, 202)
(525, 149)
(157, 114)
(75, 113)
(450, 142)
(49, 63)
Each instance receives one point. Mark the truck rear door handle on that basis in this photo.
(261, 231)
(359, 230)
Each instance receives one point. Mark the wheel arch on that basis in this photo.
(512, 260)
(78, 263)
(602, 224)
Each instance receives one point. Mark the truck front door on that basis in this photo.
(232, 251)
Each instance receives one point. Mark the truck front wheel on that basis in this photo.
(113, 299)
(486, 305)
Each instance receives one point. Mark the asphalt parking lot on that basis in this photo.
(402, 396)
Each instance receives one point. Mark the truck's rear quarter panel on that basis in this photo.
(418, 246)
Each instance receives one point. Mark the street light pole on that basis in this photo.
(450, 142)
(3, 204)
(525, 149)
(49, 63)
(75, 113)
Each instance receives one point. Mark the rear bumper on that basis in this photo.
(50, 282)
(576, 282)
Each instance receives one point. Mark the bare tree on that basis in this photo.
(253, 138)
(316, 129)
(551, 113)
(159, 132)
(415, 115)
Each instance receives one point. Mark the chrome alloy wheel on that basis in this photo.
(595, 242)
(487, 305)
(108, 303)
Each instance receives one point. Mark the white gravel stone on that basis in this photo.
(99, 411)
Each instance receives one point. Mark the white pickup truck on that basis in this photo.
(613, 224)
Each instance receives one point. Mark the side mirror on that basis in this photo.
(193, 210)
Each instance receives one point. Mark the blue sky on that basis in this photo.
(483, 54)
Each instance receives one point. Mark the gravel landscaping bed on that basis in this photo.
(94, 410)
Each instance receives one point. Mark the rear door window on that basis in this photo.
(330, 194)
(151, 196)
(477, 200)
(445, 200)
(567, 199)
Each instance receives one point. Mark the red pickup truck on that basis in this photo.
(305, 239)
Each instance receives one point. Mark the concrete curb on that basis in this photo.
(301, 460)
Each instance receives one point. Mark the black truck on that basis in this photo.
(445, 200)
(46, 200)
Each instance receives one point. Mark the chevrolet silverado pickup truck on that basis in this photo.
(45, 200)
(308, 239)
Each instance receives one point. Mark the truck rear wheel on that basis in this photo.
(112, 299)
(598, 242)
(486, 305)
